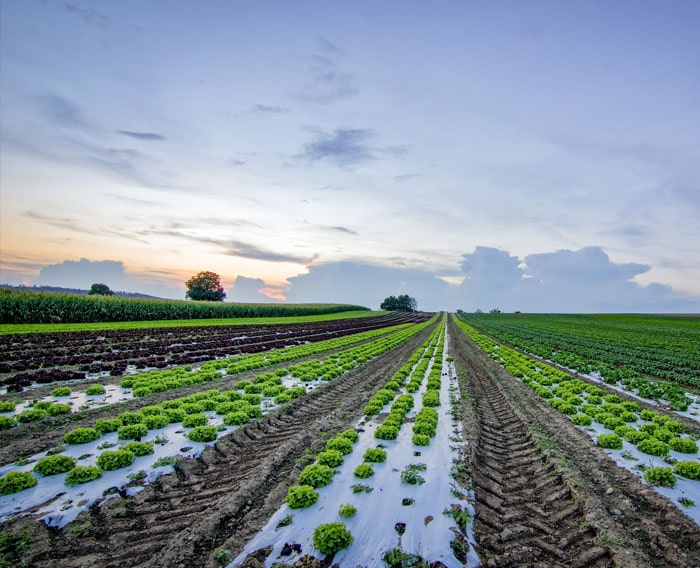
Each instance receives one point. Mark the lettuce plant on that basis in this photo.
(316, 475)
(58, 408)
(374, 455)
(340, 443)
(192, 420)
(236, 418)
(662, 476)
(330, 458)
(351, 434)
(301, 496)
(117, 459)
(132, 431)
(81, 436)
(105, 425)
(7, 422)
(16, 481)
(332, 537)
(32, 415)
(346, 511)
(82, 474)
(653, 447)
(683, 445)
(52, 465)
(363, 471)
(689, 469)
(611, 441)
(386, 432)
(203, 434)
(139, 448)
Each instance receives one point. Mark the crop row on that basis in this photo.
(304, 494)
(150, 382)
(234, 407)
(51, 357)
(653, 433)
(31, 307)
(623, 349)
(334, 462)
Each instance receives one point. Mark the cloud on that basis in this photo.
(342, 147)
(88, 15)
(406, 177)
(67, 223)
(582, 266)
(343, 230)
(235, 248)
(269, 109)
(565, 281)
(365, 284)
(83, 273)
(248, 290)
(581, 281)
(142, 135)
(329, 82)
(78, 226)
(61, 111)
(346, 147)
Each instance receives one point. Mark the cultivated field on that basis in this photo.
(388, 440)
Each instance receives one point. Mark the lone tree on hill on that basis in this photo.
(205, 286)
(100, 290)
(403, 303)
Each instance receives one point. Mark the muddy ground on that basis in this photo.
(545, 496)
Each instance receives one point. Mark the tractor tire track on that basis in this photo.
(525, 512)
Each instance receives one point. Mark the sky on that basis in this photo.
(522, 155)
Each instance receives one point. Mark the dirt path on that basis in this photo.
(220, 500)
(546, 496)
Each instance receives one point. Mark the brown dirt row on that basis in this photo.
(545, 495)
(220, 500)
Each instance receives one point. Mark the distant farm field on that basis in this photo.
(397, 439)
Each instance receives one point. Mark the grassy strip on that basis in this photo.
(19, 328)
(32, 307)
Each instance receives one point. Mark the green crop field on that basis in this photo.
(624, 348)
(6, 329)
(19, 307)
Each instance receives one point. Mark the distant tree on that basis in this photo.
(205, 286)
(100, 290)
(495, 311)
(403, 303)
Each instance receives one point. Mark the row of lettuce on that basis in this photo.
(21, 307)
(237, 406)
(411, 373)
(657, 356)
(158, 381)
(400, 390)
(653, 433)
